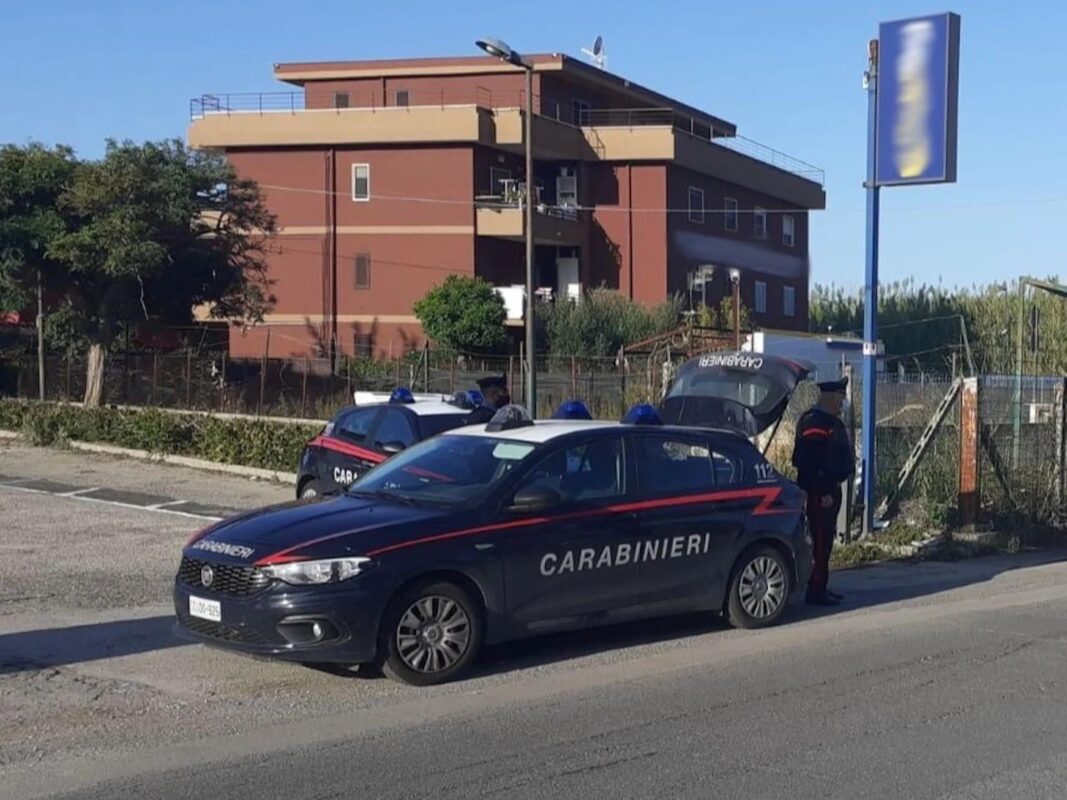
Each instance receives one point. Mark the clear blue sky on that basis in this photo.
(786, 72)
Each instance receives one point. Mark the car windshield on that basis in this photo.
(448, 470)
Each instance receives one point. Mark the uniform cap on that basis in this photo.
(837, 386)
(493, 382)
(572, 409)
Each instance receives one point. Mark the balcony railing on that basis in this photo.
(701, 129)
(397, 101)
(512, 195)
(362, 99)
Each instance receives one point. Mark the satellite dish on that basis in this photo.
(597, 52)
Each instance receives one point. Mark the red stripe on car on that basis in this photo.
(348, 449)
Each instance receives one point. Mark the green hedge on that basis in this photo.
(252, 443)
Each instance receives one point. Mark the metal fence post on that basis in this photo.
(1061, 444)
(304, 390)
(189, 378)
(969, 499)
(452, 373)
(222, 385)
(155, 377)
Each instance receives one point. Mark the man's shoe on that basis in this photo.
(820, 600)
(835, 596)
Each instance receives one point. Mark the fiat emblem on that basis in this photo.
(207, 575)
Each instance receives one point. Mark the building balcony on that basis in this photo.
(478, 116)
(504, 217)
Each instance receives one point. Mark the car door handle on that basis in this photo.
(484, 546)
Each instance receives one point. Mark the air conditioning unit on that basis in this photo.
(1041, 413)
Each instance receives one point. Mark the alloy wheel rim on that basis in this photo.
(762, 587)
(433, 634)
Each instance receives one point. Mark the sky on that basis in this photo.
(786, 72)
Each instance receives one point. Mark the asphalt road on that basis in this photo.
(933, 681)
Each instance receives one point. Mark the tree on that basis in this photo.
(464, 314)
(602, 322)
(32, 181)
(161, 230)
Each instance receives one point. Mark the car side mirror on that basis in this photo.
(392, 448)
(535, 498)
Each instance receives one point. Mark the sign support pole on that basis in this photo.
(870, 299)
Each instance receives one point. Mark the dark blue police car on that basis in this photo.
(493, 532)
(361, 436)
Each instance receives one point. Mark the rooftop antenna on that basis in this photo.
(597, 52)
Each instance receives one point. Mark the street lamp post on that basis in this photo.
(501, 50)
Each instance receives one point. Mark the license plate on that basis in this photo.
(205, 609)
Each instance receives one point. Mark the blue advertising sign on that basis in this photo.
(918, 82)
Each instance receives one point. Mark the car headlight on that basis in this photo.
(327, 570)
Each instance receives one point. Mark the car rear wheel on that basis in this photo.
(759, 589)
(431, 634)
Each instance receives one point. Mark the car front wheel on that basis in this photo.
(309, 490)
(431, 634)
(759, 589)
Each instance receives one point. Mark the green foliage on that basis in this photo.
(603, 322)
(254, 443)
(464, 314)
(920, 325)
(32, 181)
(722, 316)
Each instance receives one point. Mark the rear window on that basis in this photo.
(748, 390)
(433, 424)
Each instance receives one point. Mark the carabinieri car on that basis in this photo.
(490, 533)
(361, 436)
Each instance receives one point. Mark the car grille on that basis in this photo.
(224, 633)
(236, 581)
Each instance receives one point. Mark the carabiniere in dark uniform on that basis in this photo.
(495, 396)
(824, 458)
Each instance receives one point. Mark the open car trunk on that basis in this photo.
(742, 392)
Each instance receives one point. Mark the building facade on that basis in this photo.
(387, 176)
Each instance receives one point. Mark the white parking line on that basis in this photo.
(116, 503)
(158, 506)
(77, 492)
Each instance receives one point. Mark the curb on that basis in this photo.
(186, 461)
(200, 413)
(8, 435)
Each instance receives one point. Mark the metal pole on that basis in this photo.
(531, 379)
(40, 336)
(870, 304)
(1017, 399)
(737, 314)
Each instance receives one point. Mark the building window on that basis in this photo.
(361, 182)
(340, 99)
(579, 108)
(696, 205)
(788, 232)
(364, 345)
(401, 98)
(730, 217)
(363, 271)
(761, 297)
(759, 222)
(789, 301)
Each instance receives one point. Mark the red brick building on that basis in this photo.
(386, 176)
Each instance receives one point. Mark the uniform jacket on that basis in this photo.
(822, 453)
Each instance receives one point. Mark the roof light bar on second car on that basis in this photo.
(642, 414)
